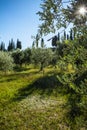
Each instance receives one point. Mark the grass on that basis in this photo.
(30, 100)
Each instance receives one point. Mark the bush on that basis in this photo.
(6, 61)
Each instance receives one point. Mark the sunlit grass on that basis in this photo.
(30, 100)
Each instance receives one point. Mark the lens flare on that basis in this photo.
(82, 10)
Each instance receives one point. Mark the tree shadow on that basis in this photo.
(20, 68)
(14, 76)
(42, 86)
(8, 80)
(46, 85)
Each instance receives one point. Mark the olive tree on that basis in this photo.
(18, 57)
(55, 14)
(27, 56)
(42, 57)
(6, 61)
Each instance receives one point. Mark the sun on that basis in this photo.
(82, 10)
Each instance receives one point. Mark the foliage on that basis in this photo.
(6, 61)
(18, 44)
(18, 57)
(11, 45)
(42, 43)
(48, 15)
(37, 40)
(54, 41)
(42, 57)
(25, 97)
(33, 44)
(27, 56)
(73, 15)
(2, 46)
(55, 15)
(73, 65)
(55, 59)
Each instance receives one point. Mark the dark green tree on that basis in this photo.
(11, 45)
(68, 37)
(54, 41)
(18, 57)
(42, 43)
(58, 38)
(2, 46)
(18, 44)
(64, 35)
(74, 58)
(71, 34)
(37, 40)
(27, 56)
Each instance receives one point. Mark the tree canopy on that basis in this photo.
(55, 14)
(6, 61)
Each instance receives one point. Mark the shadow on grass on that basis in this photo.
(14, 76)
(8, 80)
(45, 86)
(20, 69)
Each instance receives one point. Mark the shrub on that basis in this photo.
(6, 61)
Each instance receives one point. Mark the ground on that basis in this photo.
(30, 100)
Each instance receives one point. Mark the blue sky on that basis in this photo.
(18, 19)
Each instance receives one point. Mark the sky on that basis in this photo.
(18, 19)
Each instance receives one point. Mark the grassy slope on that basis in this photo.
(30, 100)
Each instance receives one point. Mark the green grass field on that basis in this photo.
(30, 100)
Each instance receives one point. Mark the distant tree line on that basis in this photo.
(11, 46)
(59, 39)
(36, 41)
